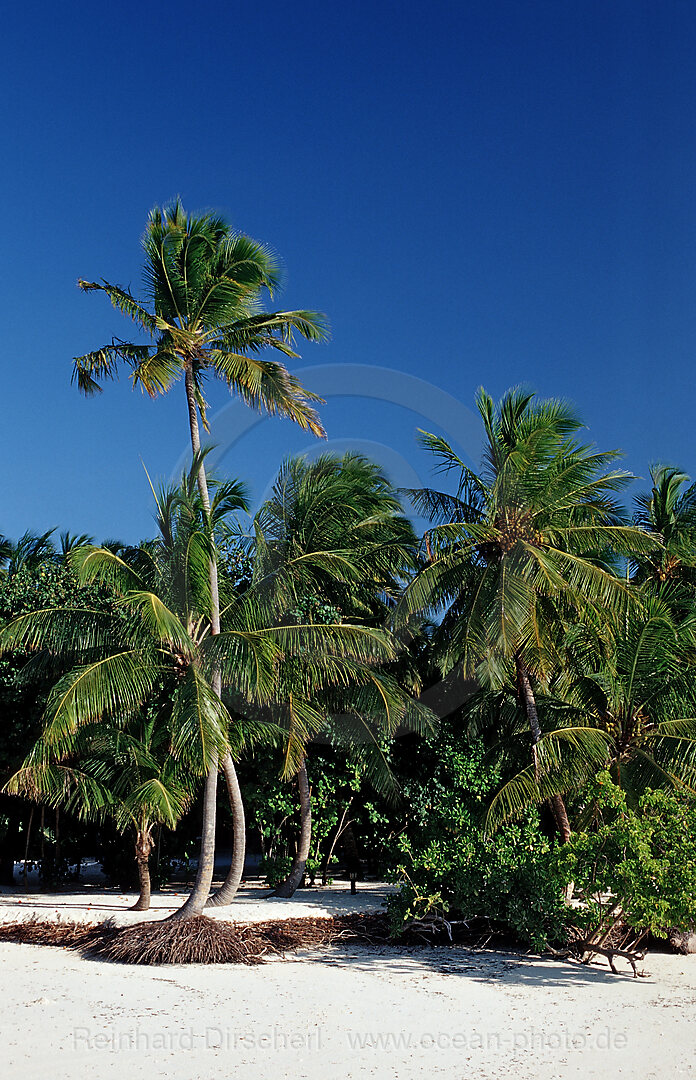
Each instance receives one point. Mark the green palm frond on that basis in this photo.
(101, 564)
(268, 385)
(115, 686)
(200, 722)
(58, 630)
(303, 721)
(67, 785)
(123, 300)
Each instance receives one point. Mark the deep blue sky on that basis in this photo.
(490, 192)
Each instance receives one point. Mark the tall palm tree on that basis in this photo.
(155, 643)
(157, 635)
(30, 551)
(70, 541)
(519, 545)
(333, 539)
(202, 311)
(669, 512)
(5, 551)
(333, 531)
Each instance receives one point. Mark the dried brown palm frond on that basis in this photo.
(198, 940)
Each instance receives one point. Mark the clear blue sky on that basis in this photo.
(476, 192)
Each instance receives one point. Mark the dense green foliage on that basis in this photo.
(634, 865)
(449, 868)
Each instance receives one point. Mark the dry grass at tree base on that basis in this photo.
(198, 940)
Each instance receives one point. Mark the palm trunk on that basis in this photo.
(527, 695)
(206, 861)
(287, 888)
(143, 847)
(228, 890)
(26, 846)
(561, 815)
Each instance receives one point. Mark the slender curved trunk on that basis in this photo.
(26, 846)
(143, 847)
(206, 861)
(561, 815)
(287, 888)
(227, 892)
(526, 693)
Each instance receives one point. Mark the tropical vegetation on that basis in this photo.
(305, 652)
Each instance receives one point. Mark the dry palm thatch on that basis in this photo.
(65, 934)
(198, 940)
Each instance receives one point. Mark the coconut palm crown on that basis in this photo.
(628, 707)
(203, 284)
(538, 526)
(668, 511)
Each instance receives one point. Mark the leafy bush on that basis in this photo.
(446, 865)
(510, 880)
(276, 868)
(634, 866)
(338, 786)
(631, 868)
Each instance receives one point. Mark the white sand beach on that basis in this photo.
(253, 903)
(342, 1013)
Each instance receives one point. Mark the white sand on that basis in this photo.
(252, 904)
(436, 1013)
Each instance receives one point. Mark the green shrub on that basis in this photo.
(631, 868)
(276, 868)
(511, 880)
(446, 866)
(634, 866)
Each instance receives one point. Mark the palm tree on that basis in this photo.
(520, 546)
(334, 532)
(332, 540)
(203, 314)
(669, 512)
(125, 771)
(157, 635)
(30, 551)
(632, 712)
(70, 542)
(155, 643)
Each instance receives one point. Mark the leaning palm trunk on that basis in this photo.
(143, 847)
(228, 890)
(288, 887)
(206, 861)
(527, 694)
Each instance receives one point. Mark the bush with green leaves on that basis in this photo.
(448, 867)
(633, 867)
(338, 792)
(509, 880)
